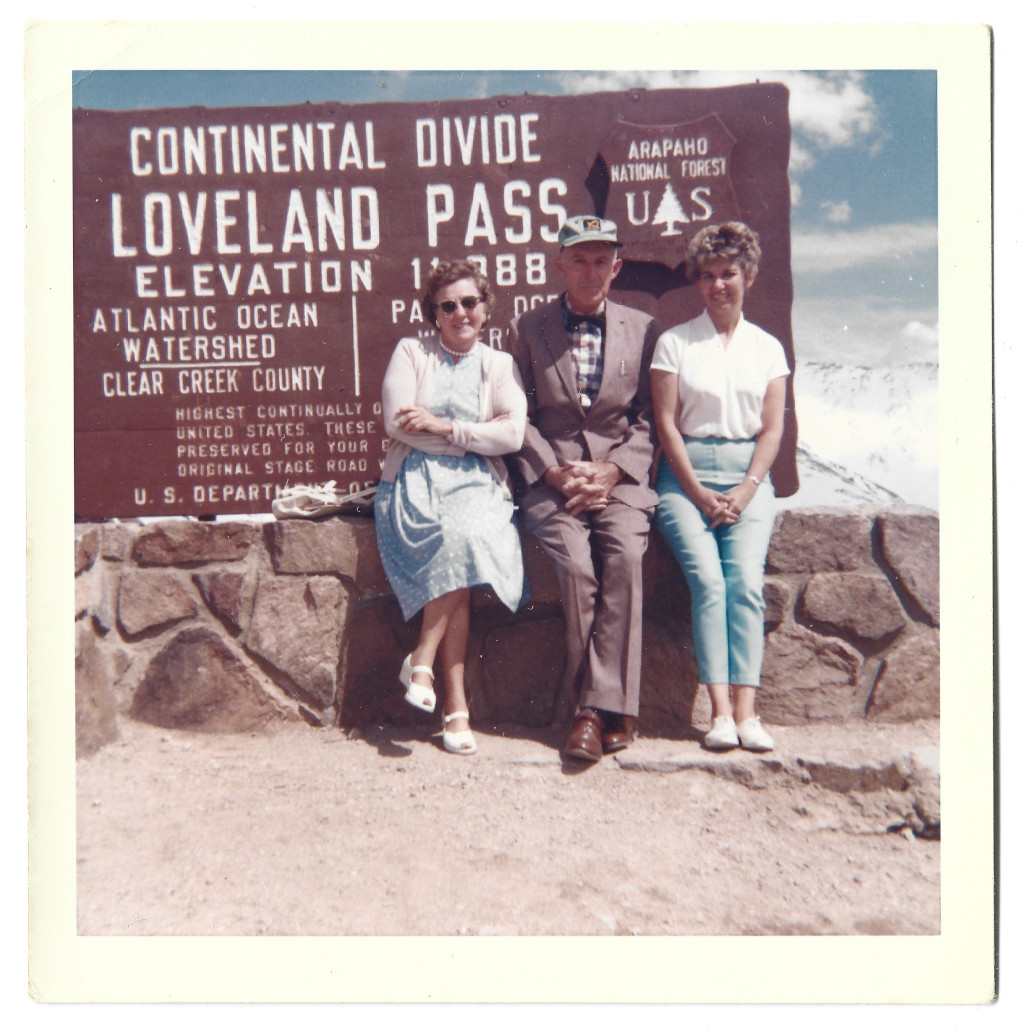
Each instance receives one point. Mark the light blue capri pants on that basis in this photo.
(724, 566)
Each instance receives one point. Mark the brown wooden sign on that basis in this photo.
(243, 274)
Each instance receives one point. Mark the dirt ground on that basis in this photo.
(307, 831)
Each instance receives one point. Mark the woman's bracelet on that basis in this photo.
(751, 476)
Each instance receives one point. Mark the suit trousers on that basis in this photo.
(724, 567)
(598, 559)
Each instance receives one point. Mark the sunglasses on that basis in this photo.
(469, 303)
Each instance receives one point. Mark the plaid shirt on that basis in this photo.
(586, 341)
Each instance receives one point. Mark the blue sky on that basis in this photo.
(863, 173)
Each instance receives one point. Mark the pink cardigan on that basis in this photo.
(408, 381)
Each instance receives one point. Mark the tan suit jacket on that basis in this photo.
(618, 425)
(597, 555)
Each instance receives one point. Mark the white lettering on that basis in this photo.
(436, 214)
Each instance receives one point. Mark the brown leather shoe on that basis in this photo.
(619, 732)
(584, 740)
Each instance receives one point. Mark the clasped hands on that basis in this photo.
(586, 486)
(723, 508)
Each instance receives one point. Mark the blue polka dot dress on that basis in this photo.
(445, 524)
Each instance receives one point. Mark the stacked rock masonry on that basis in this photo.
(230, 626)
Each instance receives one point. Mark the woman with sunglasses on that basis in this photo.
(443, 509)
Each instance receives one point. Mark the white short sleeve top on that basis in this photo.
(721, 389)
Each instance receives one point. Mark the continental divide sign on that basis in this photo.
(242, 274)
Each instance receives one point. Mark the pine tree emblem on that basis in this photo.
(669, 212)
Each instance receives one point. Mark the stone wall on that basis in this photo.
(229, 626)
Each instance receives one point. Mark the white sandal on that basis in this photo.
(417, 695)
(458, 742)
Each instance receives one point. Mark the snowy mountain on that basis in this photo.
(827, 483)
(867, 435)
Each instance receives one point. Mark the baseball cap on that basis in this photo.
(587, 228)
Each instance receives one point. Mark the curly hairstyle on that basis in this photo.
(446, 272)
(734, 241)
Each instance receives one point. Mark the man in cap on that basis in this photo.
(583, 475)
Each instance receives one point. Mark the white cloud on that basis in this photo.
(897, 243)
(596, 82)
(833, 109)
(837, 211)
(918, 333)
(855, 327)
(800, 158)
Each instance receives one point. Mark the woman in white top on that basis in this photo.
(718, 384)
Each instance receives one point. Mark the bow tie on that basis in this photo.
(574, 321)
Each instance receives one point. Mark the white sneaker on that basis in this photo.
(722, 734)
(753, 736)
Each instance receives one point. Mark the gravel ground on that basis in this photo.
(306, 831)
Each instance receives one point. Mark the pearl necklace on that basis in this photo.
(456, 354)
